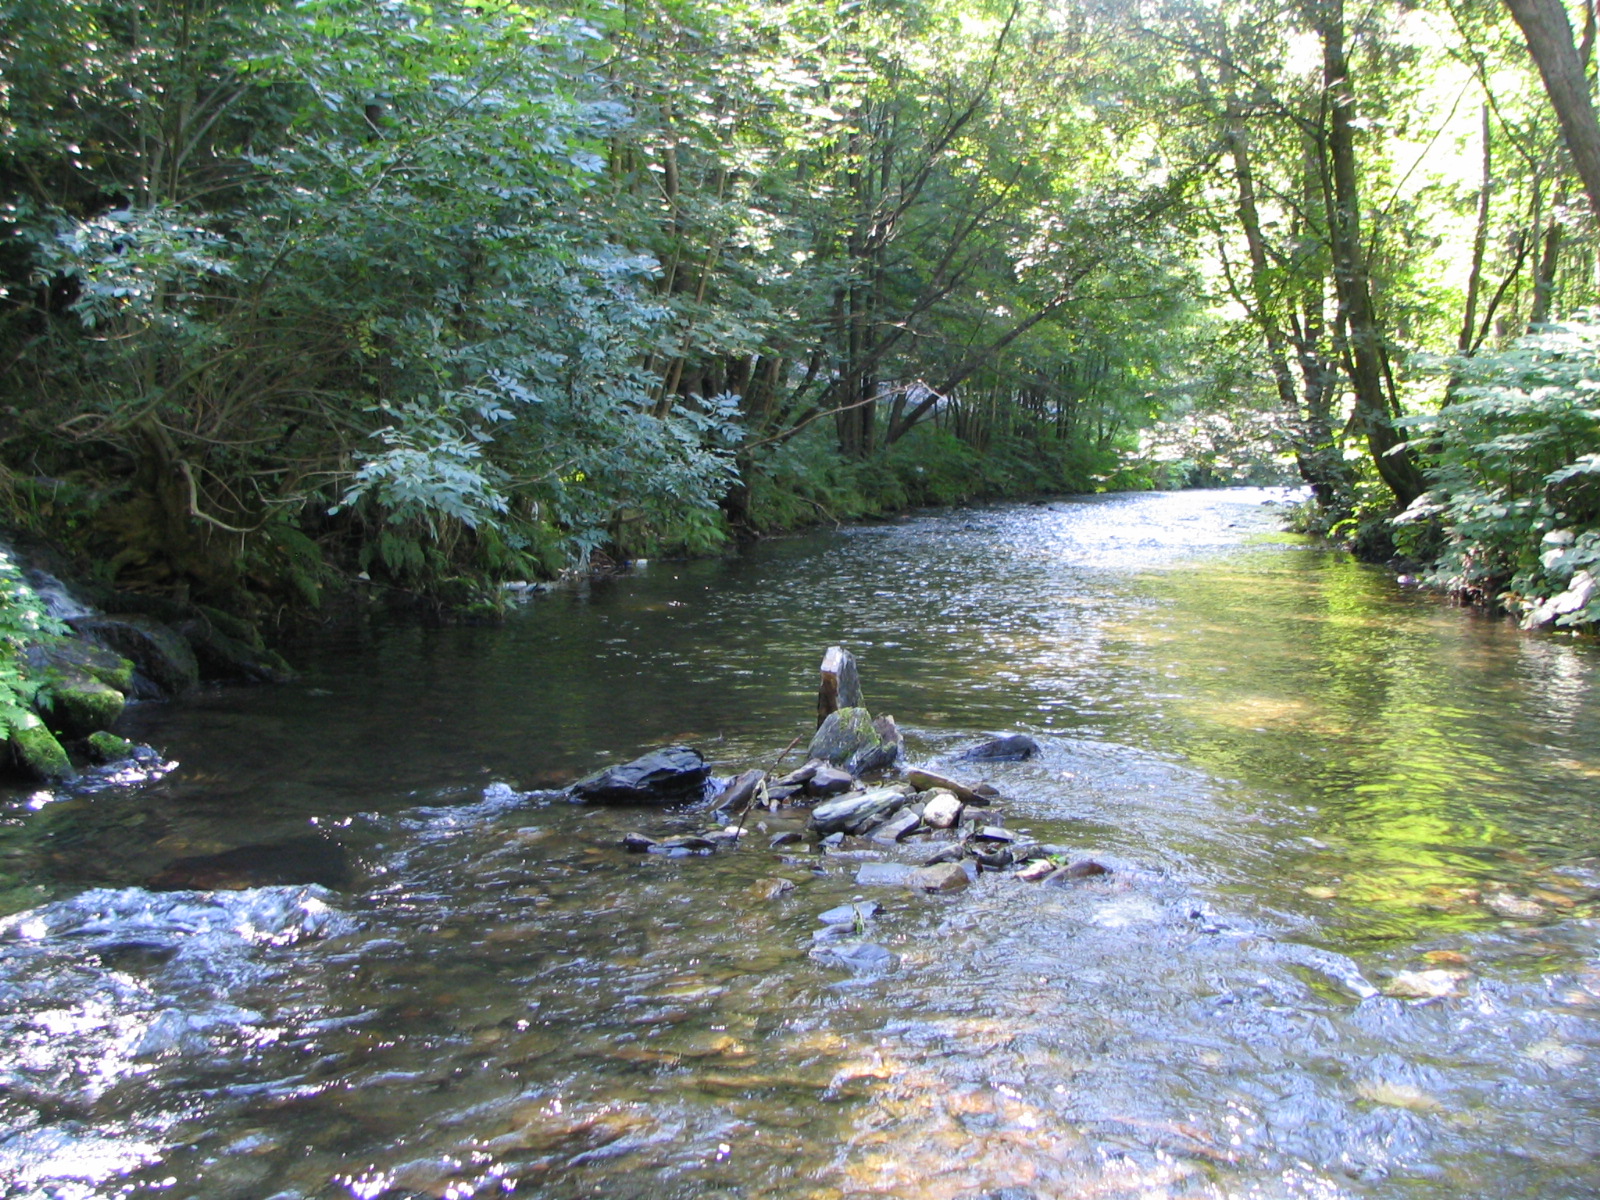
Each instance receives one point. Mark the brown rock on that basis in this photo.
(1084, 868)
(840, 686)
(770, 889)
(927, 781)
(946, 877)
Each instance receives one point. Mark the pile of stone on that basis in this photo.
(957, 824)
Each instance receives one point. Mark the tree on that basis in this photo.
(1548, 32)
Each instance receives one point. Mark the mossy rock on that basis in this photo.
(225, 657)
(50, 659)
(79, 705)
(849, 738)
(108, 747)
(37, 751)
(161, 654)
(235, 627)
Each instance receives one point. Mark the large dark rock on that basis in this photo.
(829, 781)
(857, 812)
(160, 653)
(76, 705)
(840, 686)
(224, 657)
(673, 775)
(883, 874)
(45, 659)
(82, 687)
(851, 739)
(743, 791)
(1014, 747)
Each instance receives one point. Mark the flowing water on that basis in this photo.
(1310, 783)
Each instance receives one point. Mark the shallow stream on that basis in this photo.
(1310, 782)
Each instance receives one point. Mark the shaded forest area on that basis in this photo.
(448, 293)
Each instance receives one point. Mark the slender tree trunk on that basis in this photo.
(1480, 241)
(1544, 283)
(1352, 278)
(1548, 33)
(1310, 464)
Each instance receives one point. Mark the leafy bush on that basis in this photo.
(1514, 507)
(380, 283)
(23, 618)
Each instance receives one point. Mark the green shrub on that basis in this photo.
(1514, 506)
(23, 617)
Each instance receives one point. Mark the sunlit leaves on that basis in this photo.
(1516, 486)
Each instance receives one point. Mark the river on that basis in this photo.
(1313, 785)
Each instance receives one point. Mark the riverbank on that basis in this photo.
(69, 670)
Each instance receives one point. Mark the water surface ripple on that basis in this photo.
(1308, 780)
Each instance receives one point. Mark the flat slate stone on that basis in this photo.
(670, 776)
(883, 874)
(928, 781)
(945, 877)
(848, 914)
(850, 813)
(896, 827)
(993, 833)
(860, 957)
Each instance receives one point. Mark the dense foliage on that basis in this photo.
(1514, 505)
(448, 291)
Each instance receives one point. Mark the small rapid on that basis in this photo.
(1346, 947)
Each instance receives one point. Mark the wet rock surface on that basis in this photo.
(1013, 747)
(858, 811)
(674, 775)
(160, 655)
(851, 739)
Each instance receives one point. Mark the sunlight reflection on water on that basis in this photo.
(1308, 781)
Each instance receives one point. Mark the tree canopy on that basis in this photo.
(437, 290)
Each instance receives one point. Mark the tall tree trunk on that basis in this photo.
(1544, 280)
(1480, 241)
(1548, 33)
(1310, 463)
(1352, 278)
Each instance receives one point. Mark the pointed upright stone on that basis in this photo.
(840, 686)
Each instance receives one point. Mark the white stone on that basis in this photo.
(943, 810)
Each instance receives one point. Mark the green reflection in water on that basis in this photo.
(1439, 775)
